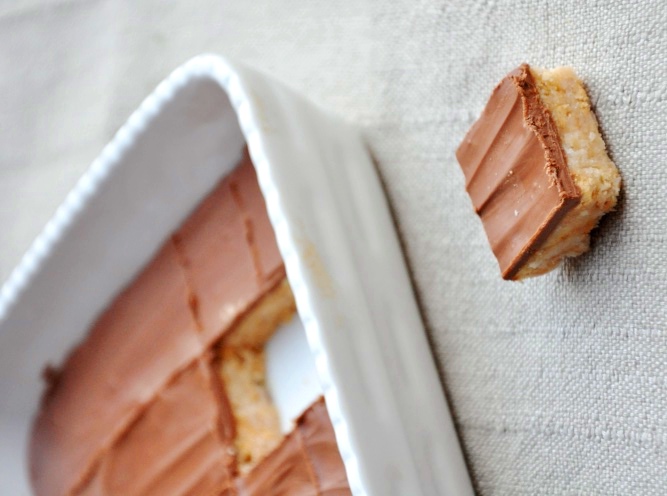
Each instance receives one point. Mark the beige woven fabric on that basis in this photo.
(558, 384)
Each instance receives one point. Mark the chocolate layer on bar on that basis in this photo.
(306, 464)
(140, 408)
(229, 251)
(134, 349)
(516, 171)
(176, 446)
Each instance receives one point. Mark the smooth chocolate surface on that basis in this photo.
(516, 171)
(229, 251)
(139, 407)
(259, 231)
(321, 450)
(307, 463)
(138, 344)
(175, 447)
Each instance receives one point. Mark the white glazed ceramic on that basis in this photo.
(334, 231)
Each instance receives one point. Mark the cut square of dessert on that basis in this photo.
(537, 170)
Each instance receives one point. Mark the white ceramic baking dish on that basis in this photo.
(335, 233)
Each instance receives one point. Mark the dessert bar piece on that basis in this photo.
(537, 170)
(307, 463)
(131, 352)
(174, 447)
(229, 251)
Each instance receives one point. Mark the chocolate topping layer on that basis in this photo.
(306, 464)
(321, 450)
(229, 251)
(173, 447)
(139, 408)
(516, 171)
(134, 349)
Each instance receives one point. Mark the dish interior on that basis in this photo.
(159, 166)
